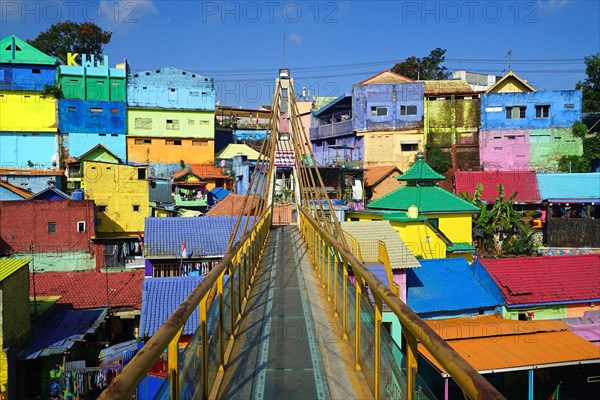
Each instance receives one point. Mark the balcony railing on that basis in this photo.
(331, 130)
(191, 201)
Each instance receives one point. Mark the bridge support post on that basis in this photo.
(203, 310)
(345, 299)
(377, 323)
(357, 323)
(411, 364)
(329, 260)
(231, 302)
(173, 364)
(221, 321)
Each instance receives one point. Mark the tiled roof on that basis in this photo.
(429, 199)
(543, 280)
(54, 334)
(160, 297)
(583, 186)
(374, 175)
(433, 287)
(454, 86)
(236, 149)
(203, 236)
(91, 289)
(386, 76)
(207, 171)
(9, 266)
(16, 190)
(232, 204)
(421, 171)
(493, 344)
(523, 182)
(372, 231)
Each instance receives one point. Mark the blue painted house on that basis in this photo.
(432, 289)
(23, 67)
(87, 123)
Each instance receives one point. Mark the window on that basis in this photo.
(379, 111)
(173, 142)
(101, 208)
(100, 82)
(191, 122)
(72, 109)
(36, 71)
(173, 124)
(196, 142)
(409, 146)
(143, 123)
(408, 110)
(136, 207)
(81, 226)
(114, 110)
(493, 109)
(141, 173)
(515, 112)
(542, 111)
(95, 110)
(569, 106)
(511, 137)
(194, 94)
(143, 141)
(116, 83)
(51, 227)
(435, 222)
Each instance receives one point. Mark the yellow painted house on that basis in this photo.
(120, 193)
(433, 222)
(14, 319)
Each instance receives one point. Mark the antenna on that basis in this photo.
(283, 64)
(509, 56)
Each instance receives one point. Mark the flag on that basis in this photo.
(183, 250)
(554, 395)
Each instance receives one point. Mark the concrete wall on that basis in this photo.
(6, 194)
(25, 223)
(392, 96)
(34, 183)
(161, 150)
(385, 148)
(119, 188)
(559, 115)
(92, 83)
(26, 76)
(549, 145)
(578, 310)
(27, 112)
(539, 313)
(386, 186)
(171, 88)
(85, 116)
(80, 143)
(505, 150)
(184, 124)
(20, 148)
(451, 121)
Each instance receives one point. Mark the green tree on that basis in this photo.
(500, 229)
(583, 163)
(591, 86)
(426, 68)
(438, 159)
(72, 37)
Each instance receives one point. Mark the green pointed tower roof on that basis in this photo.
(420, 171)
(16, 51)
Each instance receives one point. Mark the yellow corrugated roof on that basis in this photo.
(235, 149)
(370, 231)
(9, 265)
(495, 344)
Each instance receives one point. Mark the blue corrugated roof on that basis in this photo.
(160, 297)
(203, 236)
(448, 285)
(582, 186)
(58, 332)
(216, 195)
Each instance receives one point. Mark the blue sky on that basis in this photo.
(240, 43)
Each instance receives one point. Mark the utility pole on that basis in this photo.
(33, 279)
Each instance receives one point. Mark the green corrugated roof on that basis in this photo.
(8, 266)
(370, 231)
(24, 53)
(428, 199)
(461, 247)
(420, 171)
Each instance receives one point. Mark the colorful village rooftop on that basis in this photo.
(523, 182)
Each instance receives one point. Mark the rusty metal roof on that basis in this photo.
(493, 344)
(455, 86)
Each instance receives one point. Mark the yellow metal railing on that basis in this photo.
(240, 264)
(332, 259)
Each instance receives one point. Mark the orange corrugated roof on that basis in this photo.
(232, 205)
(493, 344)
(375, 174)
(207, 171)
(26, 171)
(21, 192)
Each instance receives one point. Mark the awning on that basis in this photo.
(493, 345)
(574, 201)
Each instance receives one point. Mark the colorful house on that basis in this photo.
(552, 287)
(28, 125)
(433, 222)
(55, 233)
(191, 186)
(451, 120)
(170, 117)
(432, 290)
(524, 129)
(11, 192)
(14, 320)
(33, 180)
(380, 181)
(74, 166)
(186, 246)
(93, 80)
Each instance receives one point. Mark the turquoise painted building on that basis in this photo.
(93, 80)
(28, 150)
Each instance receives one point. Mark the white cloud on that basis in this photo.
(126, 11)
(295, 38)
(551, 4)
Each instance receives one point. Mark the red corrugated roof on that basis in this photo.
(88, 289)
(527, 280)
(373, 175)
(523, 182)
(231, 205)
